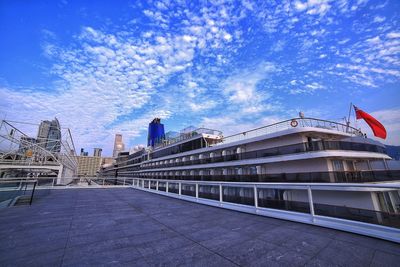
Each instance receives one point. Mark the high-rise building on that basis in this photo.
(83, 153)
(118, 145)
(156, 132)
(89, 166)
(44, 129)
(97, 152)
(49, 135)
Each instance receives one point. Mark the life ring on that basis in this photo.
(294, 123)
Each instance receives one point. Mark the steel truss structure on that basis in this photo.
(22, 155)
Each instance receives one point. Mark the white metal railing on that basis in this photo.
(289, 124)
(72, 182)
(385, 227)
(382, 226)
(27, 162)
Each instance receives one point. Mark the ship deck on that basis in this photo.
(124, 226)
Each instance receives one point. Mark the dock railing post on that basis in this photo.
(220, 194)
(157, 185)
(311, 202)
(166, 187)
(255, 197)
(180, 188)
(197, 190)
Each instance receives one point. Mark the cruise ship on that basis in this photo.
(295, 151)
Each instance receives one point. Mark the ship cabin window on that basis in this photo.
(186, 146)
(212, 141)
(314, 144)
(337, 165)
(252, 170)
(349, 165)
(389, 201)
(218, 172)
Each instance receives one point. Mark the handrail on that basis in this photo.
(18, 191)
(50, 182)
(247, 197)
(302, 122)
(28, 162)
(300, 177)
(318, 186)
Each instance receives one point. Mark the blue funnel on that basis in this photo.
(156, 132)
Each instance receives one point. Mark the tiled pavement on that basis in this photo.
(95, 227)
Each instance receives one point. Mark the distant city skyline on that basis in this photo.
(119, 145)
(108, 68)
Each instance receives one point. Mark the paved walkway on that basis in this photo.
(95, 227)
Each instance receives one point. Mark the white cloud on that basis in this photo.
(313, 7)
(307, 88)
(227, 37)
(241, 89)
(300, 6)
(379, 19)
(202, 106)
(393, 35)
(103, 79)
(374, 40)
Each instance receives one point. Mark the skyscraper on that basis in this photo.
(118, 145)
(49, 135)
(43, 132)
(97, 152)
(54, 137)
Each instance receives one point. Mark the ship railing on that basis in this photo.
(362, 176)
(186, 135)
(290, 124)
(328, 205)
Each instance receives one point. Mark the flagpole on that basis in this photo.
(348, 120)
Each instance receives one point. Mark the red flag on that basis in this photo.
(376, 126)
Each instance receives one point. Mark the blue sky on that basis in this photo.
(105, 68)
